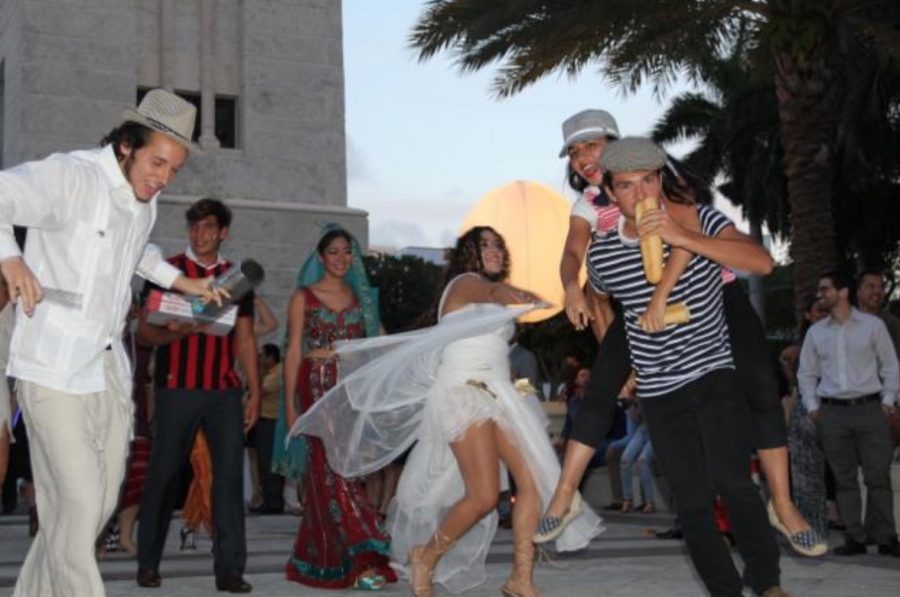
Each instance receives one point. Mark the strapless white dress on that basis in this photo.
(429, 386)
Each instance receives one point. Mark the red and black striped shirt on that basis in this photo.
(200, 361)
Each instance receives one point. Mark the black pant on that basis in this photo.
(608, 374)
(752, 358)
(755, 368)
(702, 444)
(19, 466)
(271, 483)
(179, 413)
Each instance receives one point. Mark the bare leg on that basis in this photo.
(774, 462)
(391, 478)
(478, 460)
(374, 484)
(127, 516)
(526, 513)
(577, 458)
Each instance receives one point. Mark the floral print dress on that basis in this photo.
(340, 535)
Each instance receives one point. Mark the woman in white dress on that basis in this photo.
(449, 387)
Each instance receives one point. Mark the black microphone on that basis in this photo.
(237, 281)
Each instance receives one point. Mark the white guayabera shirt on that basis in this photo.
(88, 235)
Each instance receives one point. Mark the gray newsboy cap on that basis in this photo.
(587, 124)
(632, 154)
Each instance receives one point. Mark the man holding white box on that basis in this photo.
(196, 386)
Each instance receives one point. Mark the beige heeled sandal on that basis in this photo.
(423, 587)
(523, 568)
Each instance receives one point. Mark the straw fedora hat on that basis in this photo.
(166, 113)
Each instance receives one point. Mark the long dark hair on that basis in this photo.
(463, 258)
(679, 184)
(575, 180)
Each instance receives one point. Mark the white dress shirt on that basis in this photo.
(87, 234)
(847, 360)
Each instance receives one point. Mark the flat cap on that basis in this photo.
(632, 154)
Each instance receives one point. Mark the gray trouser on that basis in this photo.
(855, 436)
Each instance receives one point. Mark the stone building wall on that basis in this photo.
(69, 68)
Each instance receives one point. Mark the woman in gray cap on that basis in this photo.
(586, 135)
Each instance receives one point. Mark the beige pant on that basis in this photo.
(79, 447)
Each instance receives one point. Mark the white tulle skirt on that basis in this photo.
(428, 387)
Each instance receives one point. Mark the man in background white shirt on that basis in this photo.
(89, 215)
(848, 378)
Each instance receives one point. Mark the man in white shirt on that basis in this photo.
(848, 377)
(89, 214)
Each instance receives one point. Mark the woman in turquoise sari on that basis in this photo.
(341, 542)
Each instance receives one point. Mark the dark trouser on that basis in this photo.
(179, 413)
(755, 368)
(608, 374)
(752, 357)
(271, 483)
(854, 436)
(702, 443)
(19, 466)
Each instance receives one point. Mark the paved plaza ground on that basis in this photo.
(623, 562)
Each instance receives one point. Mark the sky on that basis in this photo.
(425, 141)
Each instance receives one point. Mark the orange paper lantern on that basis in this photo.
(533, 220)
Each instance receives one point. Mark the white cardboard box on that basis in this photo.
(163, 307)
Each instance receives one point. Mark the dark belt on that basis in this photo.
(852, 401)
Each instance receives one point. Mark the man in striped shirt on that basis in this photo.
(196, 386)
(698, 420)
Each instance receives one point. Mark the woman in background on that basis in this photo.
(340, 542)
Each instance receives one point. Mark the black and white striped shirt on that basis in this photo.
(679, 354)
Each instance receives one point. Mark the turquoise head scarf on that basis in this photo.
(356, 278)
(289, 459)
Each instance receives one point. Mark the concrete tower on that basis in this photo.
(266, 75)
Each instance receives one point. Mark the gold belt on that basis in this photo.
(481, 386)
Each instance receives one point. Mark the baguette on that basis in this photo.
(675, 313)
(651, 245)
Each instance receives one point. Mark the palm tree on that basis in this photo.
(808, 43)
(735, 125)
